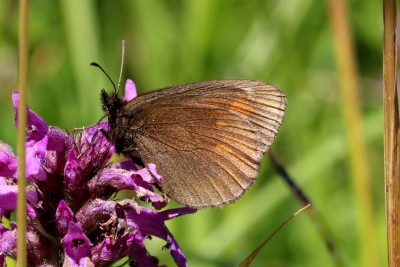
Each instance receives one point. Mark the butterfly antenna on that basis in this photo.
(94, 64)
(122, 65)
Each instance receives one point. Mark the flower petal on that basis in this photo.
(8, 242)
(39, 248)
(120, 179)
(153, 169)
(72, 171)
(130, 90)
(8, 196)
(8, 162)
(64, 216)
(37, 127)
(76, 245)
(131, 244)
(35, 155)
(99, 211)
(59, 141)
(36, 142)
(176, 251)
(93, 149)
(150, 222)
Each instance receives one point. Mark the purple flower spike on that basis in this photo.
(74, 215)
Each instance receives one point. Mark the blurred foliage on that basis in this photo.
(287, 42)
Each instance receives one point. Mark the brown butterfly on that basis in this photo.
(207, 138)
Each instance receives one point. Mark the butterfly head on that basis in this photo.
(111, 103)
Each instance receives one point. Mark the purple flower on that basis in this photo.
(69, 205)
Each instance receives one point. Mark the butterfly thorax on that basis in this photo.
(112, 105)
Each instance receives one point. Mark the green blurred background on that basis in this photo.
(286, 42)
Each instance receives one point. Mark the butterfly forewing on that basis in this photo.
(207, 138)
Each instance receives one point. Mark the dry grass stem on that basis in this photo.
(391, 124)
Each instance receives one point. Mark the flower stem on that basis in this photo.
(22, 122)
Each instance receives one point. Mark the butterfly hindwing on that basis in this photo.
(207, 138)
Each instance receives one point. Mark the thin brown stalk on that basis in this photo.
(350, 102)
(316, 217)
(22, 122)
(391, 118)
(246, 262)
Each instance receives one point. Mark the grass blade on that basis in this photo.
(246, 262)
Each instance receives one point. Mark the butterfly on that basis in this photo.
(206, 138)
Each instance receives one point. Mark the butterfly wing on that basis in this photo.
(207, 138)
